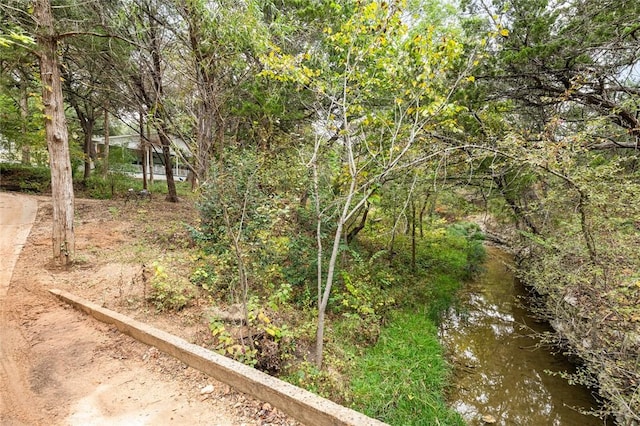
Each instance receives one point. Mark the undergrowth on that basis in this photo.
(402, 378)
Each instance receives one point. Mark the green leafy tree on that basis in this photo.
(555, 108)
(223, 40)
(380, 87)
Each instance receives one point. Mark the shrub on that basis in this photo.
(104, 188)
(167, 293)
(18, 177)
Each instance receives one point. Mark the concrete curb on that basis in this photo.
(298, 403)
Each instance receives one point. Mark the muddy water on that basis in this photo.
(502, 375)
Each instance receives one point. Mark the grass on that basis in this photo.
(401, 380)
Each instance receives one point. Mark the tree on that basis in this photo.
(380, 87)
(575, 59)
(83, 72)
(153, 90)
(21, 121)
(556, 109)
(57, 136)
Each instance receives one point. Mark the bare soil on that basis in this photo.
(57, 366)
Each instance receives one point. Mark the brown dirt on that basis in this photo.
(57, 366)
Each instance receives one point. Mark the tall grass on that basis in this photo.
(402, 379)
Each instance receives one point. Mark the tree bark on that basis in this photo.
(57, 135)
(159, 113)
(150, 151)
(89, 152)
(413, 236)
(105, 154)
(24, 115)
(331, 266)
(172, 195)
(360, 226)
(145, 150)
(86, 114)
(210, 122)
(423, 209)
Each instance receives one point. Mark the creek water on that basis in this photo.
(502, 373)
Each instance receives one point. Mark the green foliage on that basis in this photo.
(579, 233)
(12, 37)
(475, 251)
(307, 376)
(215, 272)
(103, 188)
(402, 378)
(280, 297)
(24, 178)
(17, 130)
(373, 301)
(362, 298)
(120, 160)
(248, 198)
(168, 292)
(228, 346)
(266, 347)
(445, 257)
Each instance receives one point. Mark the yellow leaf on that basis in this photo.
(471, 79)
(262, 317)
(504, 32)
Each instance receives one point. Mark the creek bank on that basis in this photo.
(501, 372)
(593, 311)
(597, 322)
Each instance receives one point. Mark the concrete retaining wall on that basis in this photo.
(298, 403)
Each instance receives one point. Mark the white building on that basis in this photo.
(149, 151)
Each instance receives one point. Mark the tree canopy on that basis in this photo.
(358, 113)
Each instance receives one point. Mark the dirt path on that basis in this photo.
(16, 218)
(58, 367)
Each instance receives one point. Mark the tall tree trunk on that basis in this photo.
(413, 236)
(172, 195)
(208, 110)
(24, 115)
(159, 112)
(105, 154)
(423, 209)
(360, 226)
(144, 148)
(150, 150)
(57, 136)
(87, 117)
(89, 152)
(331, 266)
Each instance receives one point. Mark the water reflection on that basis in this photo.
(501, 373)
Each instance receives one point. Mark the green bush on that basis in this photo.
(168, 293)
(18, 177)
(474, 247)
(104, 188)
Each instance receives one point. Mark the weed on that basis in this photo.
(114, 211)
(226, 345)
(167, 294)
